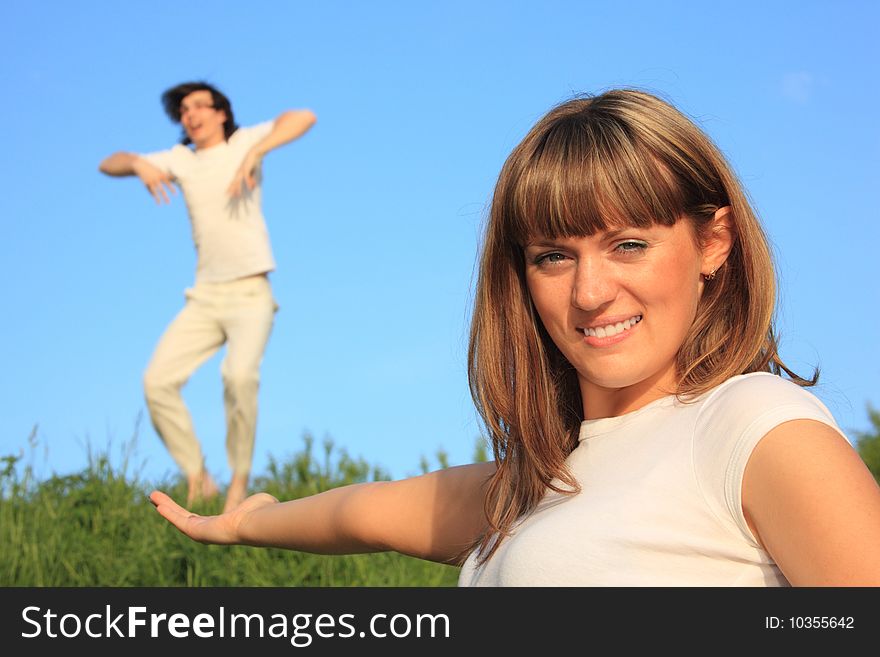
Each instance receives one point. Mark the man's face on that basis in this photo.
(202, 122)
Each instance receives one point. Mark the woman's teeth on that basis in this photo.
(612, 329)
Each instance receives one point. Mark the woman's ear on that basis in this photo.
(718, 241)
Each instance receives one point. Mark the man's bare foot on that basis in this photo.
(236, 493)
(201, 488)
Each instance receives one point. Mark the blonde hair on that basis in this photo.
(624, 157)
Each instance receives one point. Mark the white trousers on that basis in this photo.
(239, 314)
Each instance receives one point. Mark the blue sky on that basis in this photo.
(375, 215)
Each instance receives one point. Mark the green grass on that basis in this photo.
(97, 528)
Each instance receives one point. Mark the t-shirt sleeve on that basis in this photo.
(164, 160)
(731, 423)
(250, 135)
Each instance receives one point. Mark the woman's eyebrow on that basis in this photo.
(541, 242)
(557, 241)
(615, 232)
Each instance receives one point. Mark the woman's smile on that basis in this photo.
(609, 331)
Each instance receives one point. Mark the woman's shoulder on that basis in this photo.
(755, 403)
(759, 390)
(732, 419)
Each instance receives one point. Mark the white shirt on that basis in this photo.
(229, 234)
(661, 497)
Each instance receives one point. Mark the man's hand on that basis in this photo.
(246, 174)
(157, 182)
(289, 125)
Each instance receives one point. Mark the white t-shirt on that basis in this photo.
(229, 234)
(661, 498)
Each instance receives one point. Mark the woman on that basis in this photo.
(623, 360)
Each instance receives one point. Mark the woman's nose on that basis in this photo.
(594, 285)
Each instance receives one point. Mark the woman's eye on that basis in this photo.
(549, 258)
(632, 246)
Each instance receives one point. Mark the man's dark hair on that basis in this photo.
(172, 98)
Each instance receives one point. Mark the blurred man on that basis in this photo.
(217, 166)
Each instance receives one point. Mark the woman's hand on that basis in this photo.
(222, 530)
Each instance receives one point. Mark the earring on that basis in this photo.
(710, 276)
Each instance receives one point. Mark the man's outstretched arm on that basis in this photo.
(288, 126)
(157, 182)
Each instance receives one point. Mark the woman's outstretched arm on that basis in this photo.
(435, 516)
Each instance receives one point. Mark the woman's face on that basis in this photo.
(618, 305)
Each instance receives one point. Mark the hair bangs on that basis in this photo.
(584, 177)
